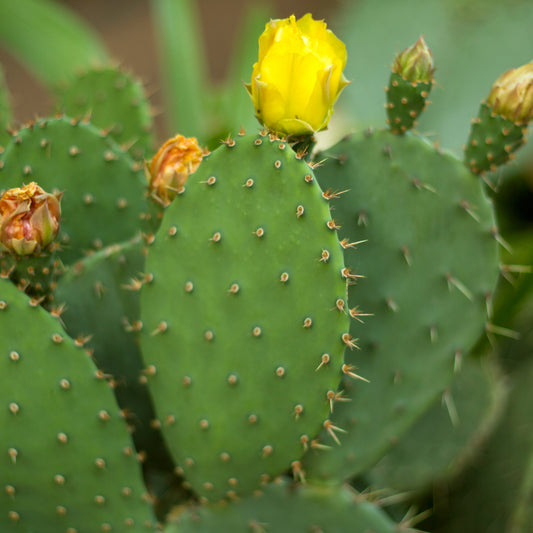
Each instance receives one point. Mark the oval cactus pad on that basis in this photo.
(67, 463)
(430, 263)
(244, 316)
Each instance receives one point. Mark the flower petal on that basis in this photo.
(298, 75)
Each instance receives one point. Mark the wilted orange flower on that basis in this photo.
(174, 162)
(29, 219)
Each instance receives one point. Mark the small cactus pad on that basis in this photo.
(244, 316)
(405, 101)
(283, 508)
(430, 262)
(34, 274)
(98, 300)
(67, 460)
(115, 102)
(493, 140)
(104, 189)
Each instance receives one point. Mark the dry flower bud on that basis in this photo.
(29, 219)
(511, 95)
(174, 162)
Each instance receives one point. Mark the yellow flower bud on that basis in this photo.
(511, 95)
(298, 75)
(29, 219)
(174, 162)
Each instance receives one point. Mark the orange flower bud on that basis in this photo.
(29, 219)
(174, 162)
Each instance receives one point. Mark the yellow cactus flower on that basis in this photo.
(511, 95)
(29, 219)
(298, 75)
(174, 162)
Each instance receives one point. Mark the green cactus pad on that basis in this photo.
(244, 319)
(67, 459)
(104, 189)
(99, 300)
(493, 140)
(115, 102)
(283, 508)
(405, 101)
(447, 436)
(501, 480)
(430, 263)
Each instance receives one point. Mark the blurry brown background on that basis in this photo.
(126, 29)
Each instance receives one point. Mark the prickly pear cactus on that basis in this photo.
(68, 463)
(209, 315)
(492, 140)
(410, 82)
(244, 317)
(428, 267)
(501, 125)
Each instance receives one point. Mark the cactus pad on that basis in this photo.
(501, 480)
(104, 189)
(100, 305)
(283, 508)
(448, 435)
(405, 101)
(67, 460)
(430, 263)
(244, 316)
(493, 140)
(115, 102)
